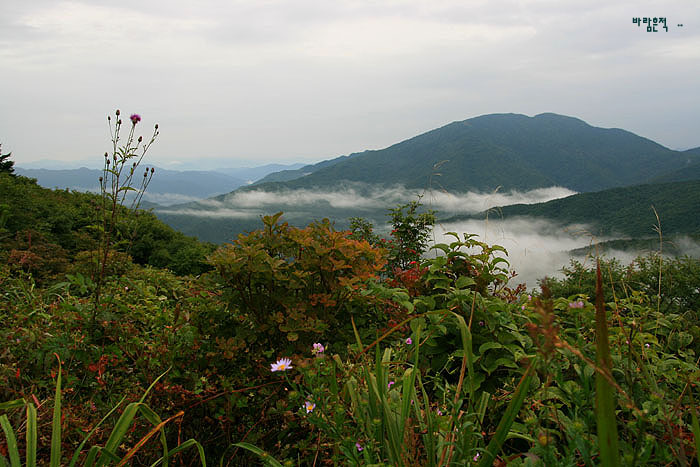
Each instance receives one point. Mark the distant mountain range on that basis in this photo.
(498, 152)
(167, 186)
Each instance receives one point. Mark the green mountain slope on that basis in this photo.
(620, 211)
(510, 151)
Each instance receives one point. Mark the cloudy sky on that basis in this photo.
(240, 82)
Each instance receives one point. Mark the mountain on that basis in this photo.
(298, 172)
(626, 211)
(250, 174)
(510, 151)
(166, 187)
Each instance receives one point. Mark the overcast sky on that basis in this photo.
(257, 81)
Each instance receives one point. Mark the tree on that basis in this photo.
(6, 165)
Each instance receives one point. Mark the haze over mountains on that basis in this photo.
(529, 168)
(462, 168)
(167, 187)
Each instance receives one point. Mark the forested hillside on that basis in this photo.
(509, 151)
(625, 211)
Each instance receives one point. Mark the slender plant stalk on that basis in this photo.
(605, 396)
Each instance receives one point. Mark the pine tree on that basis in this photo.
(6, 165)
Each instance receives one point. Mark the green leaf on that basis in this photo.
(31, 435)
(508, 418)
(464, 281)
(12, 449)
(56, 422)
(605, 396)
(265, 457)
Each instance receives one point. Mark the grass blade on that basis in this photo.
(31, 435)
(508, 418)
(15, 404)
(80, 448)
(604, 394)
(265, 457)
(182, 447)
(119, 431)
(695, 426)
(158, 428)
(56, 422)
(11, 441)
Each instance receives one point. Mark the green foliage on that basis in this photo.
(296, 285)
(96, 455)
(410, 234)
(489, 374)
(6, 165)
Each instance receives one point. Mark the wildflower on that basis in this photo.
(438, 411)
(318, 349)
(576, 304)
(135, 118)
(309, 406)
(409, 341)
(522, 307)
(283, 364)
(481, 323)
(359, 447)
(476, 458)
(647, 345)
(391, 383)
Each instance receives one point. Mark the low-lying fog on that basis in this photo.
(536, 247)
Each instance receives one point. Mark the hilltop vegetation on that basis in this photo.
(391, 356)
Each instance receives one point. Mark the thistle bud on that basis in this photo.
(117, 112)
(107, 162)
(156, 126)
(109, 118)
(119, 122)
(152, 170)
(140, 138)
(106, 155)
(100, 179)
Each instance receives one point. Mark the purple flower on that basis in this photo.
(283, 364)
(318, 349)
(135, 118)
(359, 447)
(576, 304)
(309, 406)
(409, 341)
(391, 383)
(647, 345)
(476, 458)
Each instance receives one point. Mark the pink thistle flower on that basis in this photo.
(135, 118)
(283, 364)
(409, 341)
(318, 349)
